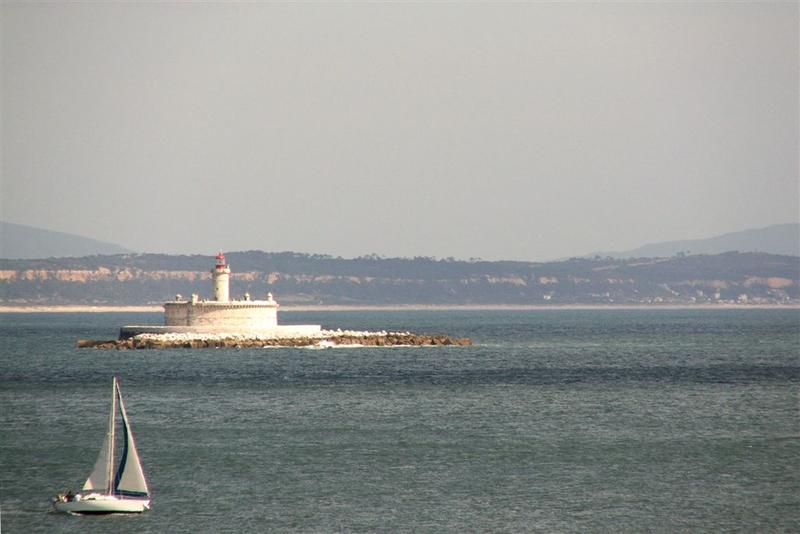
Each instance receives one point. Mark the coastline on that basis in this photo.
(76, 308)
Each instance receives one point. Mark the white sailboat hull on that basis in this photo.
(102, 504)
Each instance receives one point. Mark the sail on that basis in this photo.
(129, 479)
(98, 480)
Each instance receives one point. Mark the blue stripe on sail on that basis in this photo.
(124, 457)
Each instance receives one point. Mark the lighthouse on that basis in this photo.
(223, 314)
(221, 274)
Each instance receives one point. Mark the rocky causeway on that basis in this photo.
(322, 339)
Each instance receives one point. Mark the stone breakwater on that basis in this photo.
(323, 339)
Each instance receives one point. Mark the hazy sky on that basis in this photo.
(501, 131)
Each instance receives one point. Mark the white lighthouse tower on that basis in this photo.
(221, 274)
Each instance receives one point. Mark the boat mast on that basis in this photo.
(111, 425)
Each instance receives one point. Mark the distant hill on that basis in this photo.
(776, 239)
(18, 241)
(298, 279)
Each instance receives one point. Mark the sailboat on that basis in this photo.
(109, 488)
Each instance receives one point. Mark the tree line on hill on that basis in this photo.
(296, 278)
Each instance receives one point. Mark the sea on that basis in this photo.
(642, 420)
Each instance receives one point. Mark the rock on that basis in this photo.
(339, 338)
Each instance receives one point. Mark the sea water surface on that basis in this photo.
(555, 421)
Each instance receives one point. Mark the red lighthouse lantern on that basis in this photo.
(221, 264)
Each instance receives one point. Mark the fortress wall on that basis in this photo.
(242, 316)
(176, 314)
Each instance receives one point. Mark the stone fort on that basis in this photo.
(222, 315)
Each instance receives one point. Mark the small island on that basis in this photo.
(246, 323)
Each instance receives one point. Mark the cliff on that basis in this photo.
(314, 279)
